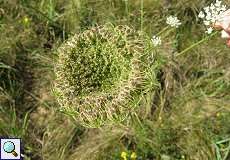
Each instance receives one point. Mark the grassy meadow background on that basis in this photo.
(188, 118)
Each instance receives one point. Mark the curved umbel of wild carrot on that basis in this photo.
(102, 73)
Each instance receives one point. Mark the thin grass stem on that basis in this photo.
(142, 14)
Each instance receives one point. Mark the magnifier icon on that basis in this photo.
(9, 147)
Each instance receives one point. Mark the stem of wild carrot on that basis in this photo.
(196, 44)
(164, 29)
(168, 32)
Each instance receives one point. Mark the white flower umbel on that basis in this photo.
(209, 30)
(173, 21)
(212, 13)
(156, 40)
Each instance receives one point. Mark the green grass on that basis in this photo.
(185, 116)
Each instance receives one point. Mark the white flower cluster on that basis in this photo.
(173, 21)
(156, 40)
(211, 14)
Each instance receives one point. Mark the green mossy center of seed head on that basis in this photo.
(97, 65)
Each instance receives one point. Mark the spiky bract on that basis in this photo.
(101, 74)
